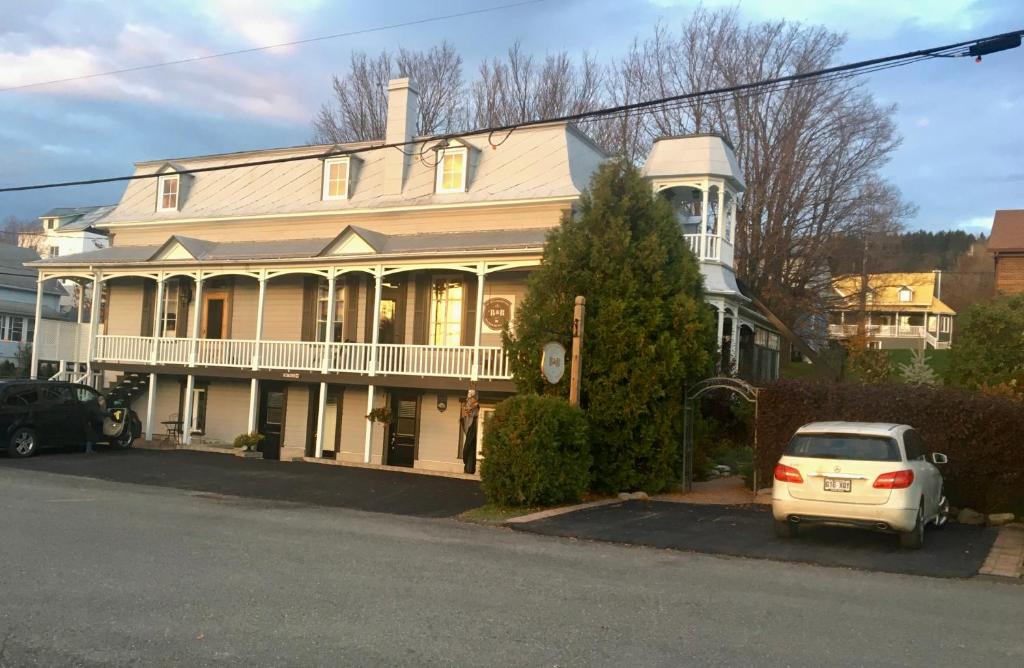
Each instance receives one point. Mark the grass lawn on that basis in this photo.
(492, 514)
(938, 360)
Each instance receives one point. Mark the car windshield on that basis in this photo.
(844, 446)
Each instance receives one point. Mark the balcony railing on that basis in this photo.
(882, 331)
(392, 359)
(710, 247)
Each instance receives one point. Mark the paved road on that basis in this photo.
(953, 551)
(94, 572)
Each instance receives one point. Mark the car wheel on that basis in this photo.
(124, 441)
(943, 515)
(786, 529)
(23, 443)
(914, 539)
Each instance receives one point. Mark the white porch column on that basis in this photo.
(320, 410)
(703, 224)
(254, 399)
(151, 408)
(158, 318)
(186, 420)
(197, 313)
(378, 276)
(367, 446)
(721, 327)
(94, 321)
(329, 324)
(34, 371)
(735, 355)
(720, 214)
(480, 273)
(256, 357)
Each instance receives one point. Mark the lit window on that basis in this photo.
(906, 294)
(946, 323)
(451, 170)
(336, 178)
(446, 312)
(167, 193)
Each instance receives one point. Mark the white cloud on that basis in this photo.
(923, 122)
(975, 224)
(861, 18)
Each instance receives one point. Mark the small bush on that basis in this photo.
(248, 441)
(535, 453)
(980, 433)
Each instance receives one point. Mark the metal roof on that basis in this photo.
(79, 217)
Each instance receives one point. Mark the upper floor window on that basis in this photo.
(451, 170)
(446, 312)
(167, 192)
(169, 326)
(322, 310)
(336, 178)
(54, 251)
(906, 294)
(51, 223)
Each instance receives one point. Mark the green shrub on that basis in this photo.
(248, 442)
(980, 433)
(535, 452)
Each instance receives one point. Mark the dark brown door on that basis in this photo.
(402, 431)
(215, 316)
(271, 425)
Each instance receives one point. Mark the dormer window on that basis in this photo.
(167, 192)
(451, 170)
(336, 172)
(51, 223)
(906, 294)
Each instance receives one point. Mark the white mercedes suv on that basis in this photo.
(861, 474)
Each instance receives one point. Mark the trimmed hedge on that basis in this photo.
(536, 452)
(983, 435)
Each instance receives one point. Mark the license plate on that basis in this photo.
(838, 485)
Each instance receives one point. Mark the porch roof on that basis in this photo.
(193, 250)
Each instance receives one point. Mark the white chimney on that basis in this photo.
(403, 111)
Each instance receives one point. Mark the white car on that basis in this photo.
(861, 474)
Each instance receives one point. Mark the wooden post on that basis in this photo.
(577, 339)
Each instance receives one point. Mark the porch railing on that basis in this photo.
(710, 247)
(392, 359)
(884, 331)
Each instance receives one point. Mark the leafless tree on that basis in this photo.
(23, 232)
(358, 110)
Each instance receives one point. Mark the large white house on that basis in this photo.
(294, 298)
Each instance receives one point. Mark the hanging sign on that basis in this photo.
(498, 313)
(552, 362)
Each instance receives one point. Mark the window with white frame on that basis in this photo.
(946, 324)
(12, 328)
(874, 345)
(198, 425)
(54, 251)
(451, 170)
(51, 223)
(321, 311)
(335, 178)
(446, 312)
(906, 294)
(169, 326)
(167, 192)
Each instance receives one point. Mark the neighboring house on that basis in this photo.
(903, 310)
(18, 298)
(293, 298)
(68, 231)
(1006, 243)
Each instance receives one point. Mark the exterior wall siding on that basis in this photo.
(227, 411)
(282, 309)
(438, 448)
(1010, 274)
(168, 393)
(296, 413)
(124, 306)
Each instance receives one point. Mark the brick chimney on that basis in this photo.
(403, 111)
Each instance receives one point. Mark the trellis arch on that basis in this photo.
(742, 388)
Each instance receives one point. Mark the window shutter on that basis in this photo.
(421, 304)
(148, 301)
(403, 302)
(368, 330)
(350, 323)
(309, 294)
(184, 312)
(469, 309)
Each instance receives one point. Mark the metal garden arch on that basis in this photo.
(739, 387)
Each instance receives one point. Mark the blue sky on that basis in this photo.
(961, 122)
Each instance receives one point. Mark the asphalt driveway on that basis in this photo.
(746, 531)
(299, 482)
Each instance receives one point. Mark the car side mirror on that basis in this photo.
(939, 458)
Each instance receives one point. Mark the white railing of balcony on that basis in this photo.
(392, 359)
(710, 247)
(883, 331)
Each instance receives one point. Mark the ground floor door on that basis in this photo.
(403, 429)
(271, 419)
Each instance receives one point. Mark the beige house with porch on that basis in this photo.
(296, 295)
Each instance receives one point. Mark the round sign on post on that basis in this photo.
(552, 362)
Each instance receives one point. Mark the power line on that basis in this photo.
(255, 49)
(848, 70)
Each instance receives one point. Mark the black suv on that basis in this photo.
(38, 414)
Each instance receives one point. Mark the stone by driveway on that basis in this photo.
(312, 484)
(746, 531)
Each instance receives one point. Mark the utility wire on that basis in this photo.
(255, 49)
(958, 49)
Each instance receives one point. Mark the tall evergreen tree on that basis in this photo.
(648, 329)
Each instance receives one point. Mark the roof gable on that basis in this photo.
(355, 241)
(182, 248)
(1007, 231)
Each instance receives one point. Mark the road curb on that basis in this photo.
(561, 510)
